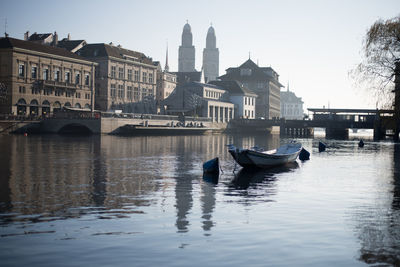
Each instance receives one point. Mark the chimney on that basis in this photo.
(69, 37)
(26, 36)
(55, 39)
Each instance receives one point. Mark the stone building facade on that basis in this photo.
(123, 77)
(40, 79)
(263, 81)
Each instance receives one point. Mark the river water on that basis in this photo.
(143, 201)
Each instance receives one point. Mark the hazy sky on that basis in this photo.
(311, 44)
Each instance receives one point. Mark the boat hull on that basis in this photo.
(251, 158)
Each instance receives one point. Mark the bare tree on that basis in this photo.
(381, 50)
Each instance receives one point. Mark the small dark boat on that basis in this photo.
(361, 143)
(321, 147)
(211, 166)
(304, 155)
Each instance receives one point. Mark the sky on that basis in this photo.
(311, 44)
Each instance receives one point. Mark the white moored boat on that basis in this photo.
(266, 159)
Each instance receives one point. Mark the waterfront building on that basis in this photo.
(211, 56)
(199, 99)
(186, 51)
(39, 79)
(291, 106)
(243, 99)
(264, 81)
(124, 78)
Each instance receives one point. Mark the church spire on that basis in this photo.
(166, 61)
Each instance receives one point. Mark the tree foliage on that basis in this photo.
(381, 51)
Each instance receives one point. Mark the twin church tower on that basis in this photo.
(210, 54)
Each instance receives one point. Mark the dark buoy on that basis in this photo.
(361, 143)
(304, 154)
(321, 147)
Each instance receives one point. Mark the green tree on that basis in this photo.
(381, 51)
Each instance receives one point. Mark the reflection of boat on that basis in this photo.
(211, 166)
(250, 175)
(266, 159)
(211, 177)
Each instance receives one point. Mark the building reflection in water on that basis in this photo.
(54, 177)
(380, 230)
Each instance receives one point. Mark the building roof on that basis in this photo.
(105, 50)
(8, 42)
(69, 44)
(290, 97)
(233, 87)
(39, 36)
(256, 74)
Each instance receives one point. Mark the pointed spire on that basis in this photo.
(202, 78)
(166, 60)
(288, 86)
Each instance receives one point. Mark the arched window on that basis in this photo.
(45, 107)
(67, 104)
(87, 106)
(34, 107)
(77, 105)
(21, 107)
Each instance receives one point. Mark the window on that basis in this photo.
(22, 89)
(245, 72)
(77, 78)
(136, 94)
(34, 72)
(21, 70)
(130, 75)
(57, 75)
(113, 90)
(144, 77)
(245, 100)
(121, 93)
(129, 92)
(46, 74)
(113, 71)
(136, 75)
(87, 79)
(67, 77)
(121, 73)
(78, 95)
(87, 96)
(150, 77)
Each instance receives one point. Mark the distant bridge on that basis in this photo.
(335, 121)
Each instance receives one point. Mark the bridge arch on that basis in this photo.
(75, 128)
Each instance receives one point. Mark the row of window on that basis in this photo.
(57, 92)
(131, 92)
(136, 78)
(249, 101)
(213, 94)
(56, 75)
(248, 113)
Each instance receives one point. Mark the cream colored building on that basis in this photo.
(123, 76)
(40, 79)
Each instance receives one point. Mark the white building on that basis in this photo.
(291, 106)
(200, 99)
(243, 99)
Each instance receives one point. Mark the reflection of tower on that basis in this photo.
(5, 157)
(99, 174)
(183, 186)
(208, 204)
(211, 56)
(186, 51)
